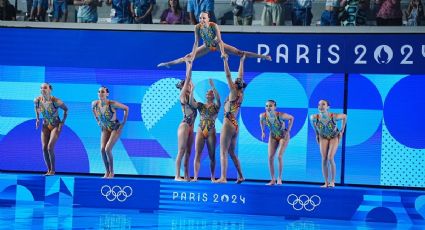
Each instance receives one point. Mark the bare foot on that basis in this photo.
(165, 64)
(221, 181)
(331, 185)
(268, 58)
(194, 179)
(325, 185)
(111, 175)
(272, 182)
(213, 180)
(279, 181)
(52, 173)
(106, 175)
(47, 173)
(240, 180)
(179, 179)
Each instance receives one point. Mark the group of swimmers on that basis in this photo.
(104, 110)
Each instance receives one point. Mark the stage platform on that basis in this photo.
(146, 194)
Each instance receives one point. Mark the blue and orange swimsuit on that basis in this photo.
(107, 117)
(277, 128)
(233, 109)
(189, 113)
(208, 116)
(50, 112)
(326, 128)
(209, 36)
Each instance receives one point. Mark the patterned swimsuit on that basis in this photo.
(50, 112)
(326, 128)
(208, 116)
(189, 113)
(107, 117)
(233, 109)
(209, 35)
(277, 128)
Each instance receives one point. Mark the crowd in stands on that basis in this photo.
(335, 12)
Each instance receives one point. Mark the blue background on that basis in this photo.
(384, 142)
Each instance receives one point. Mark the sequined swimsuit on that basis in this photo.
(209, 35)
(107, 118)
(50, 112)
(277, 128)
(233, 109)
(189, 113)
(326, 128)
(208, 116)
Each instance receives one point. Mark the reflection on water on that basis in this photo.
(30, 216)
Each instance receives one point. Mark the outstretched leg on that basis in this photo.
(236, 51)
(200, 51)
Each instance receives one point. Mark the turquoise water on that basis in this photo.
(55, 217)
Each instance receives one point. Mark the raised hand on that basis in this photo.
(211, 83)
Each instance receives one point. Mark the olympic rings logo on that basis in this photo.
(116, 193)
(303, 202)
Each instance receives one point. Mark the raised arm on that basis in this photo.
(191, 100)
(118, 105)
(37, 112)
(187, 81)
(241, 67)
(216, 95)
(228, 74)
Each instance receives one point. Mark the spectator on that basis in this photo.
(174, 14)
(60, 8)
(301, 13)
(243, 12)
(389, 13)
(38, 10)
(196, 7)
(141, 11)
(120, 12)
(273, 13)
(354, 12)
(87, 10)
(414, 13)
(330, 15)
(7, 11)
